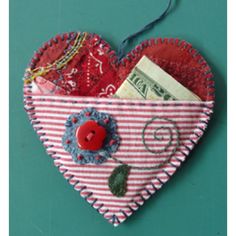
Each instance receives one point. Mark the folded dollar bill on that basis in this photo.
(148, 81)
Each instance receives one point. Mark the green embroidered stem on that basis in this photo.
(118, 178)
(172, 130)
(117, 181)
(159, 138)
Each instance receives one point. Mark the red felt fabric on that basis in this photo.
(84, 75)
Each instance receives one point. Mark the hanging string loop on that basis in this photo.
(127, 40)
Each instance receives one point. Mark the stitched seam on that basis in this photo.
(102, 206)
(184, 45)
(29, 106)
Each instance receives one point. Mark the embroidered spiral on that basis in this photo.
(160, 135)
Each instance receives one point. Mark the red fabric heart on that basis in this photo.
(95, 71)
(88, 80)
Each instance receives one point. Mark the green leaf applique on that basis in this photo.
(118, 180)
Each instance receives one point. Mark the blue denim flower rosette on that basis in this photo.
(69, 139)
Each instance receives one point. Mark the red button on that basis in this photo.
(90, 136)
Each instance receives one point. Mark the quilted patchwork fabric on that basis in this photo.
(76, 71)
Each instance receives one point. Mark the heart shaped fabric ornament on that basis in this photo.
(115, 152)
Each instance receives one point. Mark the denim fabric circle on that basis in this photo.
(70, 142)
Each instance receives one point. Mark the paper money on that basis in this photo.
(148, 81)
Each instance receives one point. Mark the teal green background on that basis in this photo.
(193, 202)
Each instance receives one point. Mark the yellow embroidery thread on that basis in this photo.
(58, 64)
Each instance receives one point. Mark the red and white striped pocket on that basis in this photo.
(48, 114)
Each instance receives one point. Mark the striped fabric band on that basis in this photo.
(48, 114)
